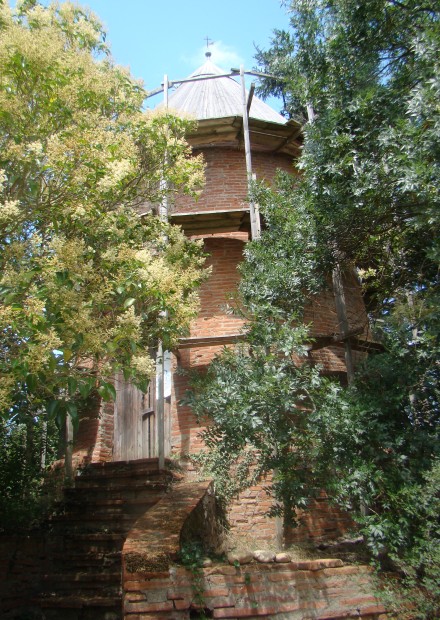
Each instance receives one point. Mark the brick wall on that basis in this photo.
(226, 181)
(321, 522)
(248, 519)
(22, 562)
(225, 253)
(226, 188)
(320, 589)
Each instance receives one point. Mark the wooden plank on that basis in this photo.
(116, 422)
(134, 432)
(231, 220)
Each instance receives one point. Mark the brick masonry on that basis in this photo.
(226, 189)
(322, 589)
(226, 184)
(318, 589)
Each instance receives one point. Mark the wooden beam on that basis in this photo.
(250, 97)
(210, 341)
(357, 344)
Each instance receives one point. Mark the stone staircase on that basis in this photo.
(83, 580)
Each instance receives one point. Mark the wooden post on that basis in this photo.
(68, 465)
(160, 398)
(341, 312)
(310, 112)
(255, 216)
(43, 451)
(163, 207)
(279, 523)
(165, 90)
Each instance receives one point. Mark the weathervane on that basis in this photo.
(208, 43)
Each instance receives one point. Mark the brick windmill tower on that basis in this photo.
(241, 138)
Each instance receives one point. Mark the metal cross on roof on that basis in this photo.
(208, 43)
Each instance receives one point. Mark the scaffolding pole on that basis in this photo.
(160, 366)
(253, 209)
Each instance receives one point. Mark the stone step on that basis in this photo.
(109, 485)
(88, 580)
(82, 590)
(101, 496)
(94, 537)
(152, 463)
(58, 607)
(118, 517)
(123, 469)
(93, 542)
(76, 500)
(83, 562)
(88, 533)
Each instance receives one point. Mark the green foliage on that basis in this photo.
(85, 281)
(371, 72)
(285, 274)
(367, 76)
(87, 285)
(191, 555)
(25, 450)
(371, 160)
(262, 399)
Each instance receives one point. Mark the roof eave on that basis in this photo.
(264, 135)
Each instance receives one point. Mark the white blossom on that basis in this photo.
(9, 211)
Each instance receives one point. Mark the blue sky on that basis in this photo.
(154, 37)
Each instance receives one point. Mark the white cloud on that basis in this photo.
(222, 55)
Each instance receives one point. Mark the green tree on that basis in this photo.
(87, 285)
(90, 277)
(370, 71)
(365, 80)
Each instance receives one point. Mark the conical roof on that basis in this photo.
(217, 98)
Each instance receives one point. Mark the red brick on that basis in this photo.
(181, 604)
(216, 592)
(148, 607)
(245, 612)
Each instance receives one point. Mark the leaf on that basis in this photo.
(111, 346)
(67, 354)
(129, 302)
(53, 408)
(72, 385)
(85, 387)
(31, 381)
(73, 413)
(107, 391)
(60, 419)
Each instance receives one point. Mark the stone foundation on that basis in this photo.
(319, 589)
